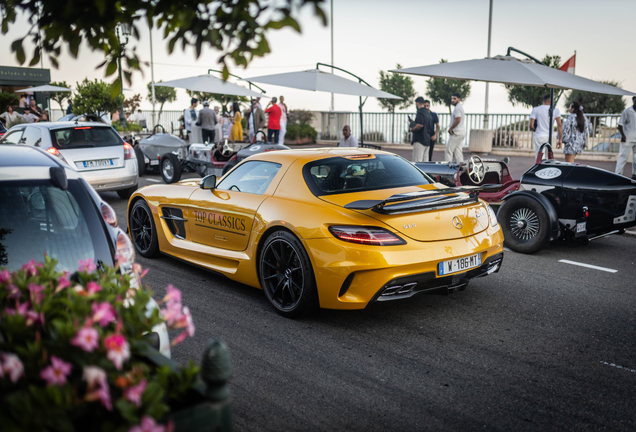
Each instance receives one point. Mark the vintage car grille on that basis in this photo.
(630, 211)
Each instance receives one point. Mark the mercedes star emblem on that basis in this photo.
(457, 223)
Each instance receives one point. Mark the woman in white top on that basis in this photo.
(575, 128)
(11, 117)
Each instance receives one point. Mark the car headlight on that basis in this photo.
(493, 216)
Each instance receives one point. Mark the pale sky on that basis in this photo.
(374, 35)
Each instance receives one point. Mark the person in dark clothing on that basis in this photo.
(421, 138)
(433, 130)
(208, 120)
(69, 110)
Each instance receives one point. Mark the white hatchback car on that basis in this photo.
(93, 149)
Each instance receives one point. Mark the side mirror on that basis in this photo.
(506, 160)
(208, 182)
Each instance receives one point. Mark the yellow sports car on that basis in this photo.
(333, 227)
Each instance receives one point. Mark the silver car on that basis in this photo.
(93, 149)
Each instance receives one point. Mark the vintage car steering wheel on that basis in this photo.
(264, 139)
(154, 129)
(540, 153)
(476, 170)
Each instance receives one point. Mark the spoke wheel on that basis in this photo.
(525, 224)
(170, 168)
(286, 275)
(143, 230)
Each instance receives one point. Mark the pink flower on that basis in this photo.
(87, 339)
(147, 425)
(179, 338)
(93, 287)
(118, 350)
(134, 393)
(21, 309)
(186, 321)
(5, 276)
(14, 291)
(57, 372)
(62, 284)
(173, 295)
(12, 366)
(103, 313)
(98, 388)
(36, 293)
(86, 265)
(32, 317)
(172, 313)
(31, 267)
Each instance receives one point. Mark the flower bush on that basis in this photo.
(73, 355)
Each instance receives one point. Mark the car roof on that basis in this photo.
(19, 162)
(61, 125)
(311, 154)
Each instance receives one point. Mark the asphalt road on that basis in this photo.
(542, 345)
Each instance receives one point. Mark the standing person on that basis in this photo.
(273, 121)
(69, 109)
(347, 139)
(627, 128)
(421, 139)
(575, 130)
(10, 116)
(208, 120)
(283, 120)
(457, 131)
(139, 118)
(539, 119)
(23, 101)
(237, 128)
(190, 116)
(255, 120)
(433, 131)
(218, 128)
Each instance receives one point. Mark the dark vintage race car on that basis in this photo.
(552, 200)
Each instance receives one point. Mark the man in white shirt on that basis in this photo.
(457, 131)
(138, 118)
(627, 128)
(539, 123)
(283, 120)
(347, 139)
(190, 116)
(28, 116)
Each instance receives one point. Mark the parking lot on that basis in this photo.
(545, 344)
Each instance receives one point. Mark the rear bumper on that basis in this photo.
(113, 179)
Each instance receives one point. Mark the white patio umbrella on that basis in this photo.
(210, 84)
(317, 80)
(511, 70)
(46, 89)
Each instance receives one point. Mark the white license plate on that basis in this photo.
(154, 162)
(459, 264)
(581, 227)
(98, 163)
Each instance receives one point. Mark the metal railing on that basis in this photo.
(510, 130)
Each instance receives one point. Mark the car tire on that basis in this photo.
(228, 166)
(286, 275)
(141, 164)
(525, 224)
(143, 230)
(126, 193)
(170, 168)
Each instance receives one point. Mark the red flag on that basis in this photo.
(569, 65)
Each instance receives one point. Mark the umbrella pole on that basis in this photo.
(551, 110)
(361, 126)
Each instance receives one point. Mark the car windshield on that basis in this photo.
(357, 174)
(85, 136)
(37, 218)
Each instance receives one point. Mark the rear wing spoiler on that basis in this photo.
(424, 200)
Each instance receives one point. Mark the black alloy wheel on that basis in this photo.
(170, 168)
(286, 275)
(143, 230)
(525, 224)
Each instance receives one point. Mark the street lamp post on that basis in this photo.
(126, 31)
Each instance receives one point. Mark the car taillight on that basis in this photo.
(366, 235)
(125, 257)
(129, 152)
(493, 216)
(55, 152)
(109, 215)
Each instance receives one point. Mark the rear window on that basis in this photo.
(37, 218)
(85, 136)
(343, 175)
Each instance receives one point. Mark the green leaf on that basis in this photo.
(111, 68)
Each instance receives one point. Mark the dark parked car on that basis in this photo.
(553, 200)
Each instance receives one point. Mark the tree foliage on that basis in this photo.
(8, 99)
(598, 103)
(440, 90)
(94, 97)
(237, 29)
(224, 100)
(531, 96)
(60, 97)
(131, 104)
(300, 117)
(162, 95)
(399, 85)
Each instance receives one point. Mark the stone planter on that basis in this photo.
(480, 140)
